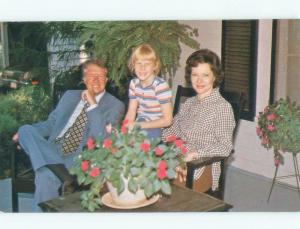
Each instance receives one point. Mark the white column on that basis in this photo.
(264, 49)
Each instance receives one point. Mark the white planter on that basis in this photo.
(126, 198)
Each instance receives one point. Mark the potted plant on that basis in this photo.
(129, 162)
(279, 128)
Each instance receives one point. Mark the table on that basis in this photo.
(181, 200)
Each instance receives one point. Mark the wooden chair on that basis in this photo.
(21, 182)
(237, 101)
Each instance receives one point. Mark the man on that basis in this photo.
(53, 144)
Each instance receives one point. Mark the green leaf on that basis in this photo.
(156, 185)
(135, 171)
(171, 173)
(132, 185)
(166, 187)
(121, 186)
(149, 189)
(149, 164)
(80, 178)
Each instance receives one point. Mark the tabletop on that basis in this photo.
(181, 200)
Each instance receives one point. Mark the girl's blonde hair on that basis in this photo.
(146, 52)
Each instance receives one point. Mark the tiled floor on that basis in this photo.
(245, 191)
(249, 192)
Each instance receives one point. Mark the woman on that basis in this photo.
(205, 122)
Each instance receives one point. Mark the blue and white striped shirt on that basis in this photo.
(150, 98)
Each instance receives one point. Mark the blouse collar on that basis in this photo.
(210, 99)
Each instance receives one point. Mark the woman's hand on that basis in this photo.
(181, 174)
(190, 156)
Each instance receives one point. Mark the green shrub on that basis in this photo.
(27, 105)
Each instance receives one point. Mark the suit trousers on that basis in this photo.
(43, 152)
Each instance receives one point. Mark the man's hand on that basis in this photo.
(88, 97)
(15, 138)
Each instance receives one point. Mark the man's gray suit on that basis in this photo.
(38, 140)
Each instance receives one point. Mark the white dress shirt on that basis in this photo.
(77, 111)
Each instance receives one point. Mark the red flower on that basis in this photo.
(95, 172)
(123, 130)
(161, 170)
(171, 138)
(183, 150)
(125, 122)
(158, 151)
(178, 143)
(161, 173)
(90, 143)
(271, 117)
(259, 131)
(34, 82)
(271, 127)
(145, 147)
(107, 143)
(84, 165)
(162, 165)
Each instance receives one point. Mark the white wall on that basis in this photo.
(210, 36)
(249, 154)
(263, 64)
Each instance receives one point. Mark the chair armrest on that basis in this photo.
(196, 164)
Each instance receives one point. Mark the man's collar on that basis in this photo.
(99, 96)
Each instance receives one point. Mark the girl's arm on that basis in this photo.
(131, 112)
(164, 121)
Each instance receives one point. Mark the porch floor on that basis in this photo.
(247, 192)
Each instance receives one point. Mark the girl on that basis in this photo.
(149, 95)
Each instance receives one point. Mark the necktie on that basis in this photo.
(73, 136)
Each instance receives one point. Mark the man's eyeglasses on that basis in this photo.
(92, 75)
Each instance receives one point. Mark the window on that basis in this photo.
(239, 45)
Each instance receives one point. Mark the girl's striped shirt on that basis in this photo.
(150, 98)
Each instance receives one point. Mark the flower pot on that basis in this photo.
(126, 198)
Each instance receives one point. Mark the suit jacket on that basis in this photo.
(109, 110)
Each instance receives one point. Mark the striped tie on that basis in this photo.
(73, 136)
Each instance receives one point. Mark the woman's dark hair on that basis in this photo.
(204, 56)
